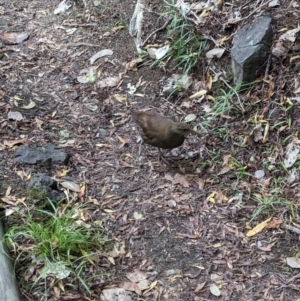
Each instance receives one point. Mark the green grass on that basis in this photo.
(59, 239)
(227, 105)
(270, 204)
(186, 45)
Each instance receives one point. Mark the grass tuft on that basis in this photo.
(59, 240)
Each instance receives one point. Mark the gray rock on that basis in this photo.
(251, 48)
(46, 186)
(45, 154)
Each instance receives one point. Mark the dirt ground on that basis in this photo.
(161, 216)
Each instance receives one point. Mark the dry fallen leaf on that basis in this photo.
(214, 290)
(152, 286)
(14, 37)
(39, 123)
(199, 287)
(216, 52)
(274, 223)
(115, 294)
(11, 143)
(180, 179)
(201, 184)
(62, 7)
(29, 106)
(292, 151)
(159, 53)
(71, 186)
(198, 94)
(190, 117)
(258, 228)
(209, 81)
(109, 82)
(293, 262)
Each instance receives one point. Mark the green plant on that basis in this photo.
(214, 159)
(58, 239)
(239, 169)
(226, 104)
(186, 45)
(267, 204)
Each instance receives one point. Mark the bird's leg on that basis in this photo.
(162, 157)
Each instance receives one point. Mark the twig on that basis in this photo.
(81, 25)
(289, 6)
(255, 10)
(155, 31)
(268, 66)
(83, 44)
(293, 278)
(291, 228)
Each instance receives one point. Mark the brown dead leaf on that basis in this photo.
(120, 98)
(201, 184)
(131, 286)
(21, 174)
(39, 123)
(12, 200)
(143, 263)
(162, 229)
(132, 65)
(11, 143)
(136, 276)
(199, 287)
(13, 37)
(56, 291)
(180, 179)
(8, 190)
(274, 223)
(168, 177)
(116, 293)
(82, 192)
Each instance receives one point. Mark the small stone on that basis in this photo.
(103, 133)
(259, 174)
(274, 3)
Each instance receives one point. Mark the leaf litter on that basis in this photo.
(160, 219)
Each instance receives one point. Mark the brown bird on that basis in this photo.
(160, 131)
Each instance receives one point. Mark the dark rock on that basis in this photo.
(46, 154)
(45, 187)
(251, 48)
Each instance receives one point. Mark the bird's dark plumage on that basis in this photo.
(159, 131)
